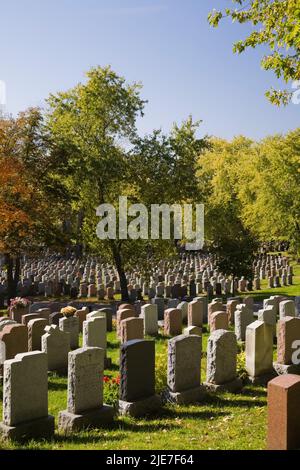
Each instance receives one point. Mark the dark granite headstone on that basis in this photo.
(137, 370)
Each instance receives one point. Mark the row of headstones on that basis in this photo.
(93, 278)
(25, 393)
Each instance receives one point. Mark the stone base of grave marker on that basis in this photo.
(140, 407)
(69, 422)
(262, 379)
(35, 429)
(186, 397)
(282, 369)
(233, 386)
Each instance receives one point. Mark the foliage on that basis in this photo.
(241, 366)
(275, 24)
(111, 386)
(161, 370)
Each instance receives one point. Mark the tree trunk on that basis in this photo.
(118, 261)
(13, 276)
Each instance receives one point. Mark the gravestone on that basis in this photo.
(123, 315)
(184, 370)
(81, 315)
(25, 398)
(172, 322)
(71, 325)
(259, 352)
(149, 314)
(284, 413)
(195, 313)
(56, 344)
(13, 341)
(288, 336)
(183, 306)
(160, 306)
(137, 379)
(192, 330)
(132, 328)
(242, 318)
(218, 321)
(94, 333)
(36, 329)
(85, 392)
(287, 308)
(221, 362)
(108, 315)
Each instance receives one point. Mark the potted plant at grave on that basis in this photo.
(19, 306)
(68, 312)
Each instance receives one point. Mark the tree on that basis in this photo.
(31, 197)
(276, 24)
(227, 235)
(96, 123)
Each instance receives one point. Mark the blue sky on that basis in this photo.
(186, 67)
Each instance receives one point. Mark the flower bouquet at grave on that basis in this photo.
(19, 306)
(68, 311)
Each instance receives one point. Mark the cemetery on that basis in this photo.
(149, 250)
(182, 357)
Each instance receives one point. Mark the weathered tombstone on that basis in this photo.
(221, 362)
(137, 382)
(150, 316)
(172, 322)
(36, 329)
(215, 306)
(81, 315)
(123, 315)
(25, 398)
(269, 317)
(259, 352)
(218, 321)
(287, 308)
(71, 325)
(192, 330)
(288, 336)
(5, 322)
(132, 328)
(94, 333)
(13, 341)
(160, 306)
(85, 392)
(108, 315)
(56, 344)
(297, 304)
(284, 413)
(231, 308)
(183, 306)
(195, 313)
(184, 370)
(242, 318)
(29, 316)
(44, 313)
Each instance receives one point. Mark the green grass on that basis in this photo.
(221, 422)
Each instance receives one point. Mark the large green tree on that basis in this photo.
(276, 25)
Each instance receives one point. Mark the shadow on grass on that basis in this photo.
(56, 386)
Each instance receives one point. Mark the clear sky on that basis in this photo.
(186, 66)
